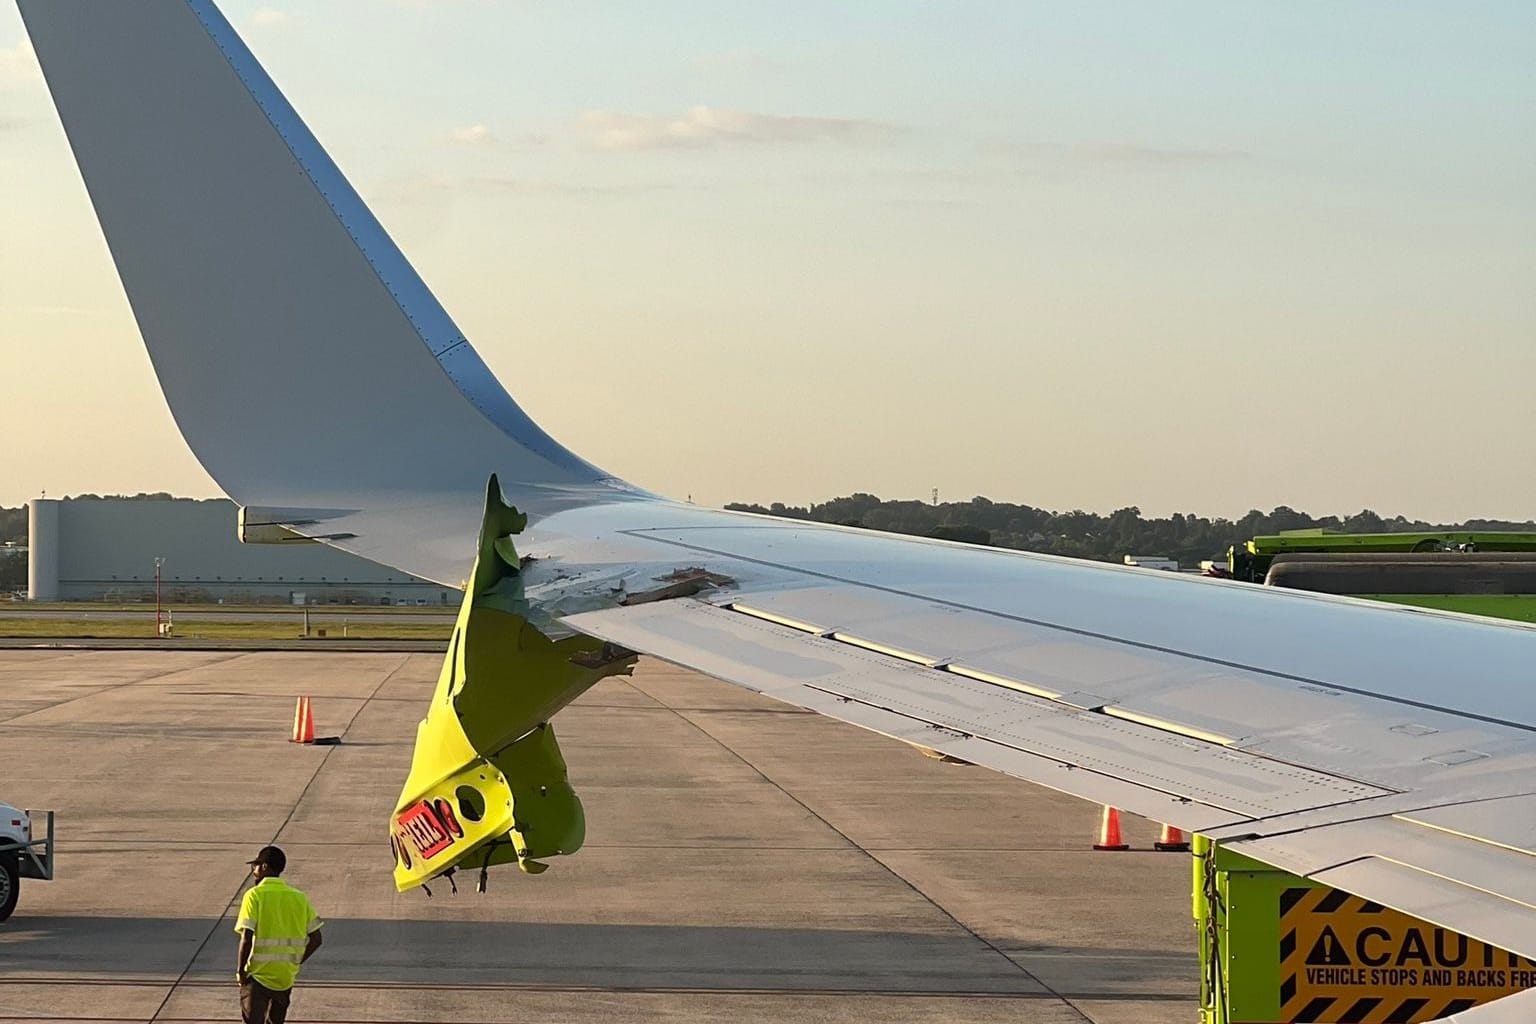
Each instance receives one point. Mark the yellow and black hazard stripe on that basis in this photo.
(1294, 903)
(1374, 1010)
(1299, 1007)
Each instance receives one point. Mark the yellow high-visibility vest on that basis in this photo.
(282, 921)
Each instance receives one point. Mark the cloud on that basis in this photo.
(472, 135)
(430, 6)
(928, 203)
(704, 127)
(1124, 153)
(747, 60)
(1131, 152)
(478, 134)
(19, 63)
(539, 187)
(433, 189)
(270, 18)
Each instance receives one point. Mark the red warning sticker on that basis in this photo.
(420, 825)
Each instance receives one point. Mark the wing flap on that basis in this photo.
(1509, 823)
(1167, 775)
(1456, 861)
(1482, 890)
(1295, 720)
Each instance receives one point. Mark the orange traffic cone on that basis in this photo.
(1109, 831)
(303, 722)
(1172, 840)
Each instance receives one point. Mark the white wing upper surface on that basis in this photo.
(1387, 751)
(1383, 750)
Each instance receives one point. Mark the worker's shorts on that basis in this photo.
(262, 1005)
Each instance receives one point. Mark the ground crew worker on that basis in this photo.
(278, 931)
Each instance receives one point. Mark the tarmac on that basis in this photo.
(744, 860)
(320, 615)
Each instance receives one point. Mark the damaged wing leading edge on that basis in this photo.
(487, 783)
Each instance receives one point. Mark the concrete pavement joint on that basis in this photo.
(243, 646)
(736, 903)
(118, 686)
(887, 868)
(686, 990)
(324, 758)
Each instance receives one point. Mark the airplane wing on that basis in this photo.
(1385, 751)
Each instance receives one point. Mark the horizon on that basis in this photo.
(1080, 258)
(1144, 514)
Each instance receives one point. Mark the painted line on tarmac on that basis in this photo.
(892, 872)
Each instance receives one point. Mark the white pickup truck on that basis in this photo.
(22, 855)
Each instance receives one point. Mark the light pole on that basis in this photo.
(159, 561)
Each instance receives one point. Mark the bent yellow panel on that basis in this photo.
(487, 783)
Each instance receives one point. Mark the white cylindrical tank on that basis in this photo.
(43, 549)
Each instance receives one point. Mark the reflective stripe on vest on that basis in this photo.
(282, 917)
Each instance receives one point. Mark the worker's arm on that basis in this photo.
(313, 944)
(245, 927)
(243, 954)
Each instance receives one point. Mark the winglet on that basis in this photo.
(304, 359)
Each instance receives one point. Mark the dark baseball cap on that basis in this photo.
(272, 857)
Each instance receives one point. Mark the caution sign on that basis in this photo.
(1346, 960)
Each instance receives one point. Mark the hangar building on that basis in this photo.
(104, 549)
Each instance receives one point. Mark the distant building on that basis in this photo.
(87, 549)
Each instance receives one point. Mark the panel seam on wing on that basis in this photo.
(1100, 713)
(1407, 818)
(1109, 638)
(944, 665)
(1453, 881)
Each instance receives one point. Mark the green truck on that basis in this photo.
(1479, 573)
(1276, 948)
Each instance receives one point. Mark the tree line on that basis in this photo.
(13, 521)
(1078, 534)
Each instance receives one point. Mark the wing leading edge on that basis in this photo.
(1386, 751)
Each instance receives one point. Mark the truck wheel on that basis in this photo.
(10, 886)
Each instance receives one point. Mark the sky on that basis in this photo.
(1191, 256)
